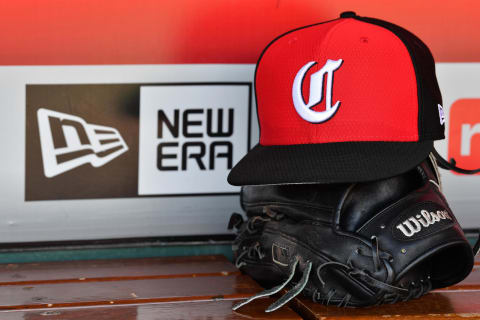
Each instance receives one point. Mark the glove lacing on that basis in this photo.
(292, 293)
(388, 293)
(250, 252)
(253, 226)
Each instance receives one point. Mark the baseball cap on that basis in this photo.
(348, 100)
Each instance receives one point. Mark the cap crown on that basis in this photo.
(350, 79)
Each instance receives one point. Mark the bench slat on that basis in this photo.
(126, 292)
(435, 305)
(45, 272)
(171, 311)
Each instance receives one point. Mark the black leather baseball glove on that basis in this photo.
(352, 244)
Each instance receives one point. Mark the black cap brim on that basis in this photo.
(328, 162)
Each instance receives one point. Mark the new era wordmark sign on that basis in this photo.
(127, 140)
(190, 137)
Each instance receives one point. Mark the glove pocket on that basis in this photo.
(424, 238)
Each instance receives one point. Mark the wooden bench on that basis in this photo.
(202, 287)
(461, 301)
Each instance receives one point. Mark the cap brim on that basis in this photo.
(328, 162)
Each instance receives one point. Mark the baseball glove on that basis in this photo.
(352, 244)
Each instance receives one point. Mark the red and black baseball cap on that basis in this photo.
(347, 100)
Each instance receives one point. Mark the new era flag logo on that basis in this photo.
(68, 141)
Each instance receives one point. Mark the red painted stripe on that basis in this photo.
(58, 32)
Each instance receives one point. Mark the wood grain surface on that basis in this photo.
(202, 287)
(203, 310)
(127, 291)
(435, 305)
(106, 270)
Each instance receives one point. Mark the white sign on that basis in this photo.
(191, 135)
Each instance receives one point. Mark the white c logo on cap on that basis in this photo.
(316, 92)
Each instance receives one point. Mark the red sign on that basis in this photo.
(59, 32)
(464, 133)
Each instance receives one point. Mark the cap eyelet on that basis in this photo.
(348, 14)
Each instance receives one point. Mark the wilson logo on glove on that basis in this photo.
(415, 224)
(316, 92)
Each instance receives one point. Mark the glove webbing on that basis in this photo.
(391, 293)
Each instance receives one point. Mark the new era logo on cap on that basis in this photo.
(352, 99)
(441, 115)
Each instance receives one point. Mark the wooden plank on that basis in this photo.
(126, 292)
(108, 270)
(435, 305)
(172, 311)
